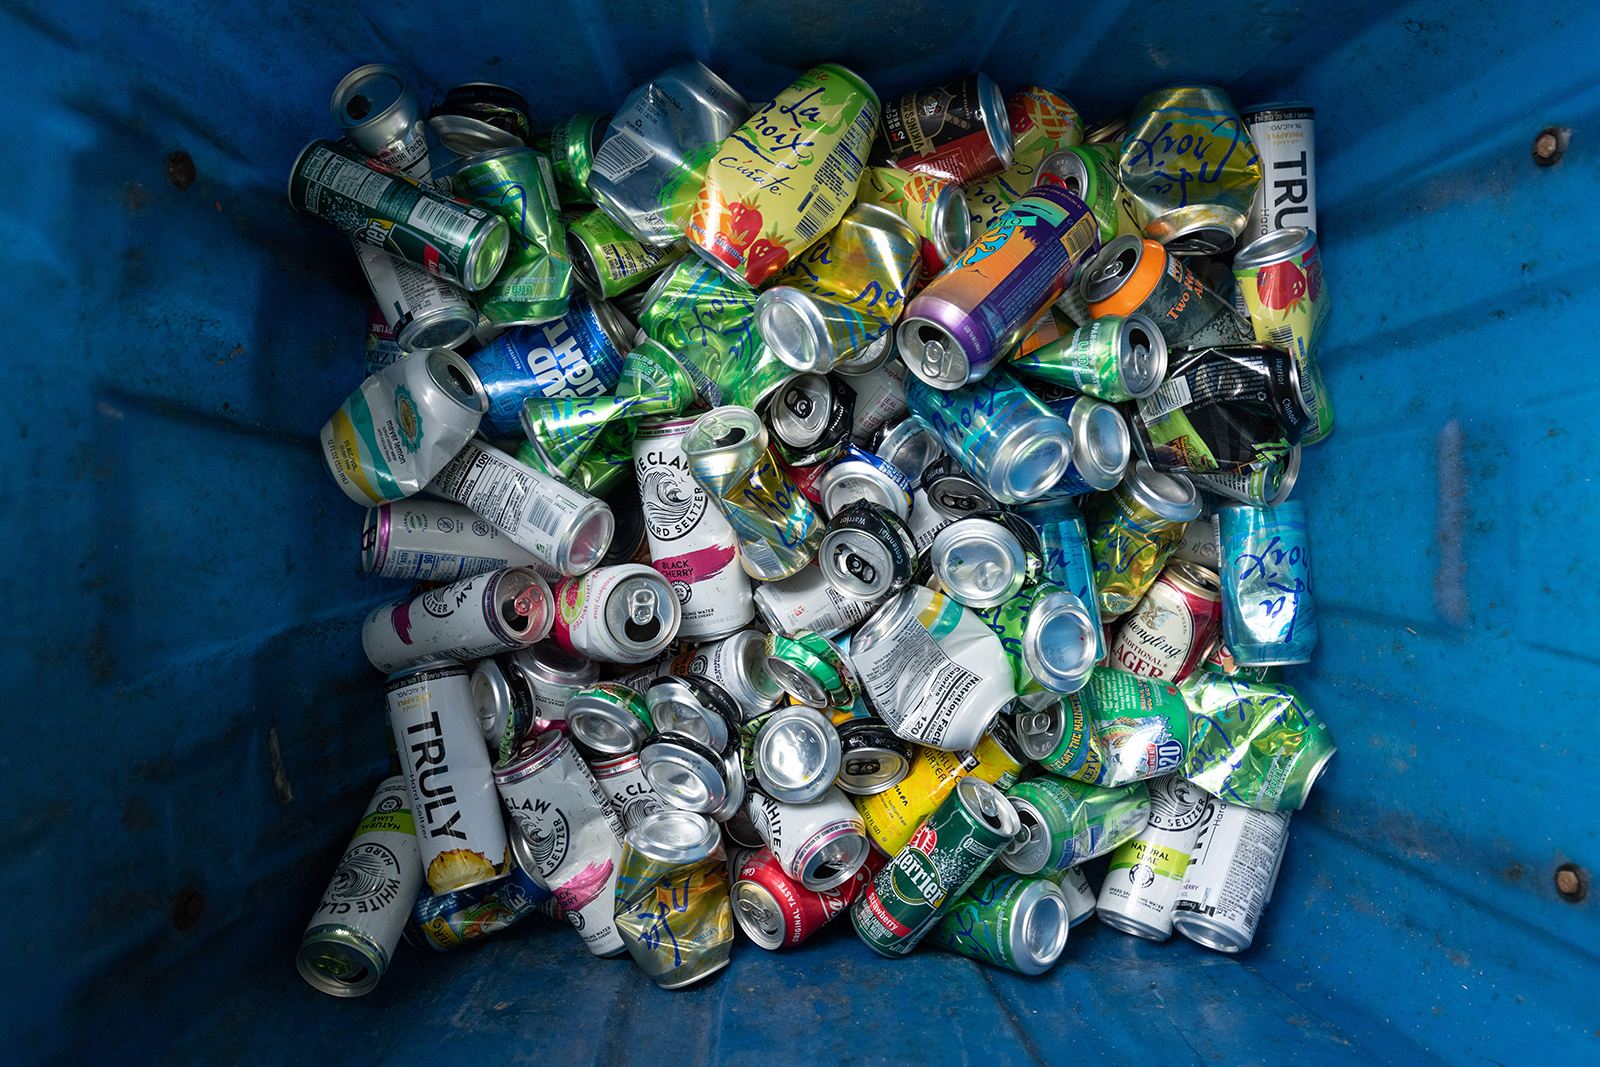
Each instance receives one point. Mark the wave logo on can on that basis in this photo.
(367, 879)
(913, 878)
(673, 502)
(408, 419)
(546, 828)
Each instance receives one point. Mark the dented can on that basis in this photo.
(434, 541)
(478, 616)
(378, 111)
(956, 131)
(775, 910)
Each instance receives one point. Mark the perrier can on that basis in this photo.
(926, 877)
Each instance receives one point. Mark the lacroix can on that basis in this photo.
(748, 220)
(672, 906)
(1280, 279)
(936, 210)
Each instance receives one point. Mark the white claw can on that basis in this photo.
(1231, 874)
(623, 782)
(1141, 886)
(691, 543)
(460, 833)
(622, 614)
(435, 541)
(1075, 888)
(820, 845)
(479, 616)
(739, 665)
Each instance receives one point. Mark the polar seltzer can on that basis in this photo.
(1008, 920)
(440, 745)
(1230, 875)
(622, 614)
(1142, 883)
(1170, 631)
(624, 784)
(354, 931)
(479, 616)
(422, 310)
(820, 844)
(1285, 136)
(691, 543)
(945, 855)
(435, 541)
(574, 837)
(774, 910)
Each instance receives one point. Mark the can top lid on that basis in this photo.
(1029, 850)
(758, 914)
(1274, 247)
(1113, 268)
(467, 136)
(875, 760)
(685, 773)
(1101, 443)
(491, 695)
(989, 806)
(608, 718)
(1039, 730)
(370, 95)
(857, 566)
(1193, 578)
(676, 709)
(797, 755)
(641, 611)
(674, 836)
(800, 408)
(1060, 642)
(1141, 355)
(547, 661)
(1067, 167)
(933, 353)
(1171, 496)
(980, 562)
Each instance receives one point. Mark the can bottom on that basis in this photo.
(1129, 925)
(339, 961)
(1210, 933)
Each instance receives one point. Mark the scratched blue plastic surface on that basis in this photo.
(182, 593)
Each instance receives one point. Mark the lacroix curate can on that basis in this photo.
(451, 784)
(478, 616)
(893, 813)
(1169, 632)
(623, 614)
(786, 176)
(981, 305)
(1285, 135)
(402, 426)
(775, 910)
(353, 933)
(1280, 278)
(434, 541)
(1064, 540)
(956, 131)
(1147, 871)
(691, 543)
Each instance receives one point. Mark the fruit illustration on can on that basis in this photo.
(1281, 285)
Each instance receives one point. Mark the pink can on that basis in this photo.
(1169, 632)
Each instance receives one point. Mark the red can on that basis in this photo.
(1170, 631)
(774, 909)
(806, 478)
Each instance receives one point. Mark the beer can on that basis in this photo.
(1015, 446)
(459, 242)
(944, 857)
(1133, 530)
(798, 415)
(956, 131)
(555, 676)
(820, 844)
(566, 530)
(1281, 282)
(868, 552)
(1131, 275)
(1008, 920)
(1168, 633)
(475, 617)
(694, 707)
(621, 779)
(623, 614)
(880, 397)
(1065, 822)
(573, 144)
(1064, 541)
(1254, 743)
(1147, 871)
(1042, 121)
(1114, 358)
(608, 260)
(774, 910)
(402, 425)
(352, 935)
(1076, 891)
(479, 116)
(608, 718)
(891, 815)
(932, 671)
(1049, 636)
(947, 494)
(378, 112)
(434, 541)
(692, 776)
(503, 698)
(574, 839)
(807, 600)
(872, 759)
(691, 543)
(979, 307)
(1285, 137)
(936, 210)
(979, 562)
(796, 755)
(421, 310)
(1269, 614)
(672, 905)
(1231, 874)
(578, 354)
(459, 829)
(860, 475)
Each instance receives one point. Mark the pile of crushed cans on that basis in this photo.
(829, 506)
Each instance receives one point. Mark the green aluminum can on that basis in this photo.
(572, 146)
(945, 855)
(1069, 822)
(562, 429)
(609, 260)
(1113, 358)
(536, 281)
(1009, 920)
(701, 315)
(1253, 743)
(656, 380)
(460, 243)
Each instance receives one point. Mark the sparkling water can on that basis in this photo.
(1269, 615)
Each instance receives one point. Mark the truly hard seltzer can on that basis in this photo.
(478, 616)
(574, 837)
(566, 530)
(1231, 874)
(434, 541)
(1009, 920)
(624, 784)
(353, 933)
(925, 878)
(775, 910)
(672, 906)
(622, 614)
(422, 310)
(691, 543)
(820, 844)
(1170, 631)
(807, 600)
(436, 734)
(402, 425)
(378, 111)
(1285, 136)
(1146, 873)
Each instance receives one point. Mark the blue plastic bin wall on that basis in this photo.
(192, 729)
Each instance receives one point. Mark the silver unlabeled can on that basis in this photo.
(820, 844)
(566, 530)
(979, 562)
(353, 933)
(807, 600)
(691, 542)
(376, 108)
(622, 614)
(556, 675)
(739, 665)
(1285, 136)
(1230, 875)
(422, 310)
(573, 837)
(435, 541)
(460, 833)
(623, 782)
(1142, 883)
(475, 617)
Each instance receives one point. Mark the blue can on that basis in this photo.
(451, 920)
(1064, 537)
(1101, 445)
(1269, 616)
(579, 354)
(1017, 448)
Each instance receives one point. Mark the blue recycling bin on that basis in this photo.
(193, 730)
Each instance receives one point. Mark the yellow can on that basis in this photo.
(891, 817)
(935, 209)
(1043, 121)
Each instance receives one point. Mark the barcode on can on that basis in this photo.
(1080, 236)
(544, 514)
(1281, 337)
(1172, 395)
(441, 220)
(816, 214)
(622, 154)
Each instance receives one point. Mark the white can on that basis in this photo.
(422, 309)
(820, 845)
(1285, 136)
(739, 665)
(460, 833)
(623, 782)
(806, 600)
(1075, 888)
(691, 542)
(932, 670)
(435, 541)
(475, 617)
(555, 676)
(880, 398)
(567, 531)
(1142, 883)
(1230, 876)
(622, 614)
(573, 838)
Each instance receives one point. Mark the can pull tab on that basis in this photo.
(1037, 724)
(987, 805)
(526, 601)
(932, 357)
(641, 606)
